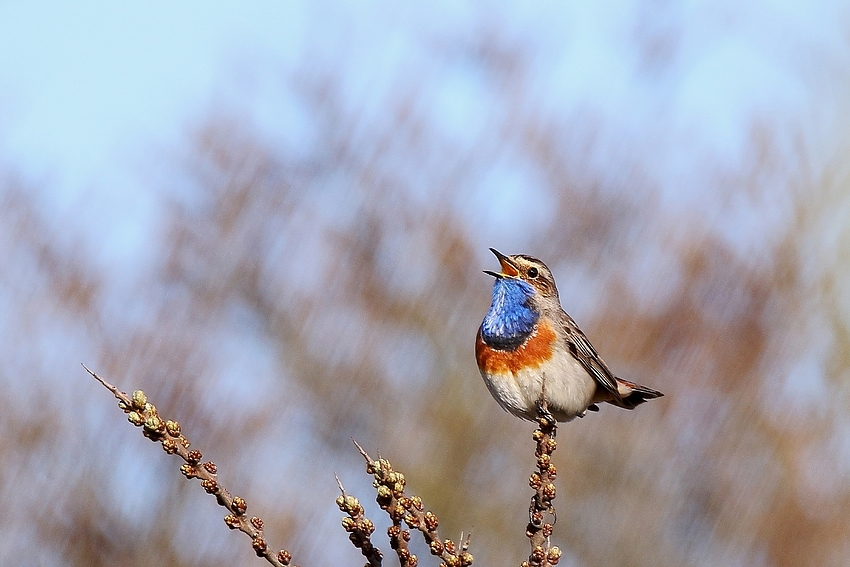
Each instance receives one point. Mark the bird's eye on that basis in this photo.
(532, 273)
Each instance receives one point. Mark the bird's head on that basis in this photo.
(529, 270)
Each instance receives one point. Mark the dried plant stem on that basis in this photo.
(539, 530)
(143, 414)
(409, 509)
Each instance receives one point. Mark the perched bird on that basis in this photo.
(527, 342)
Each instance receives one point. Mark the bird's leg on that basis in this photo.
(544, 416)
(535, 518)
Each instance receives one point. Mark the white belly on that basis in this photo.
(569, 388)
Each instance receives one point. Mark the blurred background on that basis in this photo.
(273, 218)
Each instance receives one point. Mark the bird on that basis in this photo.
(529, 349)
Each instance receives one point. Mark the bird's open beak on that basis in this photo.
(509, 270)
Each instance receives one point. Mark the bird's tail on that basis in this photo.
(632, 395)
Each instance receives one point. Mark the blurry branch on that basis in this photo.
(142, 413)
(71, 284)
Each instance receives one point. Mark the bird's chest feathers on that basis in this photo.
(510, 320)
(512, 335)
(534, 351)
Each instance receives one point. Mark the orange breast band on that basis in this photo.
(536, 350)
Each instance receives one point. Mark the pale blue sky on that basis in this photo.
(81, 82)
(87, 88)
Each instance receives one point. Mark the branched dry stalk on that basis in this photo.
(390, 486)
(409, 509)
(543, 554)
(142, 413)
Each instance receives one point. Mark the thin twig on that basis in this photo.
(142, 413)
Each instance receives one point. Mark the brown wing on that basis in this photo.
(584, 352)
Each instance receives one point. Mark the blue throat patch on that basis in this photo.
(510, 319)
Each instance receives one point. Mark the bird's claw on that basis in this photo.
(535, 517)
(544, 416)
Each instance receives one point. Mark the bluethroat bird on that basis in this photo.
(527, 345)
